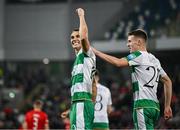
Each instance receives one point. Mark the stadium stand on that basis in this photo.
(156, 16)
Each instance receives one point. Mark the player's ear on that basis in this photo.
(139, 42)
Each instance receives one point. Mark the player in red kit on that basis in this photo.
(36, 119)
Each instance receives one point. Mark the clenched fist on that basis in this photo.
(80, 11)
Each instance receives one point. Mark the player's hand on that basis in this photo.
(80, 11)
(167, 113)
(64, 114)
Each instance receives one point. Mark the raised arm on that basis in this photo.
(119, 62)
(94, 90)
(167, 94)
(83, 30)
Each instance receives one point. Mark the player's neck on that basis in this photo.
(142, 48)
(37, 109)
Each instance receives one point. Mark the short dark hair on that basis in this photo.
(139, 33)
(76, 29)
(38, 103)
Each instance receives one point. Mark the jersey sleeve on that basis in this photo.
(161, 71)
(46, 119)
(134, 58)
(91, 54)
(26, 117)
(109, 98)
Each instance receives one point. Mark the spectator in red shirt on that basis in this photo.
(36, 119)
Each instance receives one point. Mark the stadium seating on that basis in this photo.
(154, 16)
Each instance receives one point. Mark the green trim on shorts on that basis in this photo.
(145, 103)
(101, 125)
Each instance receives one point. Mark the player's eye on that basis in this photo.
(72, 37)
(77, 36)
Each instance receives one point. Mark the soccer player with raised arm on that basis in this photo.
(82, 89)
(146, 71)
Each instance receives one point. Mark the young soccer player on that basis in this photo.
(146, 71)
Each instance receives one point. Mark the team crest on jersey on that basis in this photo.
(131, 56)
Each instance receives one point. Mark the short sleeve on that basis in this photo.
(91, 54)
(46, 119)
(109, 98)
(162, 72)
(134, 58)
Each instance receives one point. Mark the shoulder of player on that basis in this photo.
(89, 53)
(153, 59)
(134, 55)
(103, 87)
(45, 114)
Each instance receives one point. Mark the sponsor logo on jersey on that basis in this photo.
(131, 56)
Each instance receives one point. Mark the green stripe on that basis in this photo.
(135, 86)
(149, 116)
(77, 78)
(145, 103)
(133, 55)
(73, 117)
(135, 119)
(88, 115)
(81, 96)
(79, 59)
(132, 69)
(101, 125)
(136, 53)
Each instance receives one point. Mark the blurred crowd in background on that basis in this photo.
(25, 82)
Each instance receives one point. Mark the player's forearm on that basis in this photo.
(94, 91)
(24, 126)
(83, 27)
(111, 59)
(47, 127)
(109, 109)
(168, 92)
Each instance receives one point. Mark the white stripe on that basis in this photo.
(81, 87)
(140, 119)
(133, 77)
(77, 69)
(80, 116)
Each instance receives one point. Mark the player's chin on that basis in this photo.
(130, 51)
(77, 47)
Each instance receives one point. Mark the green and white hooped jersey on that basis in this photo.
(103, 99)
(81, 80)
(145, 72)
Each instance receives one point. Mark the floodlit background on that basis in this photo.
(36, 55)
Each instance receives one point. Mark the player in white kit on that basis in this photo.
(102, 105)
(81, 113)
(146, 71)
